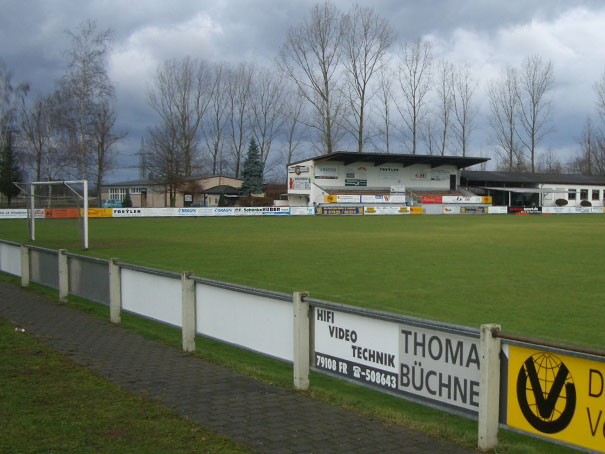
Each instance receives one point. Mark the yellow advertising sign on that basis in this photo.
(98, 212)
(329, 199)
(486, 200)
(415, 210)
(557, 396)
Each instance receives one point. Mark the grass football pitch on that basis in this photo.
(536, 276)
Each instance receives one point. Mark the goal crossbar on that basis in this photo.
(68, 184)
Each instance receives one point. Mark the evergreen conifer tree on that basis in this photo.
(252, 173)
(9, 169)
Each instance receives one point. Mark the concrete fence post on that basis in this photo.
(24, 266)
(489, 387)
(115, 291)
(301, 341)
(188, 311)
(63, 276)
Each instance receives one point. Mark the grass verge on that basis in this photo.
(48, 404)
(358, 399)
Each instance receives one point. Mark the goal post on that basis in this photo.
(70, 185)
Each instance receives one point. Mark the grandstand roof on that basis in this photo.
(405, 159)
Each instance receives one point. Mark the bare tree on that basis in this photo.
(85, 85)
(548, 162)
(215, 122)
(366, 39)
(37, 136)
(11, 97)
(310, 57)
(238, 100)
(293, 124)
(164, 159)
(268, 110)
(445, 101)
(104, 139)
(503, 102)
(599, 88)
(385, 101)
(535, 80)
(587, 161)
(180, 98)
(464, 111)
(414, 77)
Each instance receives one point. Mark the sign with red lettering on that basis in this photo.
(431, 199)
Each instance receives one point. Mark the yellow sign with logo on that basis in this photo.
(97, 212)
(329, 199)
(486, 200)
(557, 396)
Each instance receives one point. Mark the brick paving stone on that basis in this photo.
(265, 418)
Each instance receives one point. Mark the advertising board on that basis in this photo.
(326, 173)
(420, 363)
(299, 184)
(126, 212)
(390, 210)
(451, 210)
(375, 199)
(13, 214)
(473, 210)
(302, 211)
(461, 199)
(497, 210)
(431, 199)
(336, 211)
(61, 213)
(348, 198)
(98, 212)
(261, 211)
(556, 396)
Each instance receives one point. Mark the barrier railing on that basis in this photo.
(542, 389)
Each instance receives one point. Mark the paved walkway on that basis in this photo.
(265, 418)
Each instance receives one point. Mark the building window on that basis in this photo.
(117, 193)
(595, 194)
(583, 194)
(571, 195)
(136, 190)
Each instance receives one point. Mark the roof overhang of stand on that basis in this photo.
(525, 190)
(406, 160)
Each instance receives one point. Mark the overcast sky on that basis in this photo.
(483, 33)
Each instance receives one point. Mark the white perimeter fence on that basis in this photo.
(525, 385)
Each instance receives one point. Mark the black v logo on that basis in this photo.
(546, 403)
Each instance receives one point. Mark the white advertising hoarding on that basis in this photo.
(497, 210)
(261, 211)
(13, 214)
(424, 364)
(451, 210)
(461, 199)
(348, 198)
(388, 210)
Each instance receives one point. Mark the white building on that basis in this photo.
(350, 177)
(526, 190)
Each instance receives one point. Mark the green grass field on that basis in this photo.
(48, 404)
(536, 276)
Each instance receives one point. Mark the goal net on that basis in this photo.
(58, 200)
